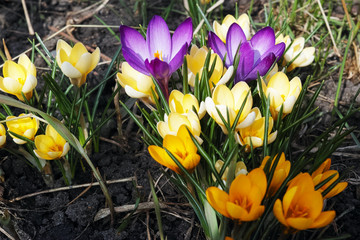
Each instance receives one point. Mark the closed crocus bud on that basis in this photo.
(19, 78)
(243, 202)
(2, 135)
(23, 126)
(282, 170)
(51, 145)
(297, 54)
(322, 174)
(183, 149)
(76, 62)
(230, 101)
(136, 84)
(221, 29)
(302, 206)
(253, 135)
(240, 168)
(180, 103)
(282, 92)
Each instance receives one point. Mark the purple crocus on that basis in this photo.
(256, 55)
(160, 54)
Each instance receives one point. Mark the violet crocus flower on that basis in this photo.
(160, 54)
(256, 55)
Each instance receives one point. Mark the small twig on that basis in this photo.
(28, 22)
(6, 50)
(71, 187)
(7, 234)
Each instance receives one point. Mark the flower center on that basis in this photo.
(158, 55)
(297, 211)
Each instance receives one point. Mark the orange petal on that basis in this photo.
(324, 219)
(217, 199)
(278, 212)
(300, 223)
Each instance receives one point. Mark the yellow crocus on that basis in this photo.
(230, 101)
(301, 207)
(240, 168)
(180, 103)
(51, 145)
(221, 29)
(196, 60)
(2, 135)
(181, 146)
(282, 170)
(76, 62)
(282, 92)
(173, 122)
(19, 78)
(136, 84)
(243, 202)
(23, 126)
(322, 173)
(254, 134)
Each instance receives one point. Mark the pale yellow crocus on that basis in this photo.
(240, 168)
(76, 62)
(254, 134)
(136, 84)
(51, 145)
(180, 103)
(282, 92)
(196, 60)
(230, 101)
(19, 78)
(2, 135)
(221, 29)
(23, 126)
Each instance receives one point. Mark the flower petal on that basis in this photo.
(262, 67)
(135, 60)
(132, 39)
(324, 219)
(158, 38)
(217, 199)
(182, 35)
(178, 59)
(263, 40)
(218, 46)
(234, 38)
(30, 84)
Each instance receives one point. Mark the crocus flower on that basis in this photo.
(136, 84)
(282, 170)
(180, 103)
(181, 146)
(51, 145)
(173, 122)
(323, 173)
(160, 55)
(301, 207)
(221, 29)
(23, 126)
(243, 202)
(19, 78)
(256, 55)
(282, 92)
(76, 63)
(196, 60)
(254, 134)
(2, 135)
(230, 101)
(240, 168)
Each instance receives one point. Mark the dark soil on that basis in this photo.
(69, 214)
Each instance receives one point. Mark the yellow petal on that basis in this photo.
(300, 223)
(278, 212)
(77, 51)
(258, 178)
(11, 85)
(324, 219)
(83, 65)
(14, 71)
(161, 156)
(27, 64)
(217, 199)
(223, 96)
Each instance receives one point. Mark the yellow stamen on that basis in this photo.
(158, 55)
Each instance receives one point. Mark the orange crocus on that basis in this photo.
(243, 202)
(301, 207)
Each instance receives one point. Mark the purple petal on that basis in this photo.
(278, 50)
(182, 35)
(132, 39)
(218, 46)
(161, 72)
(262, 67)
(158, 39)
(263, 40)
(246, 62)
(134, 60)
(234, 38)
(178, 59)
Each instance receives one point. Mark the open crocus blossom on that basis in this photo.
(301, 207)
(221, 29)
(180, 103)
(2, 135)
(230, 101)
(51, 145)
(23, 126)
(323, 173)
(243, 202)
(19, 78)
(76, 62)
(136, 84)
(256, 55)
(253, 135)
(282, 170)
(160, 55)
(183, 149)
(282, 92)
